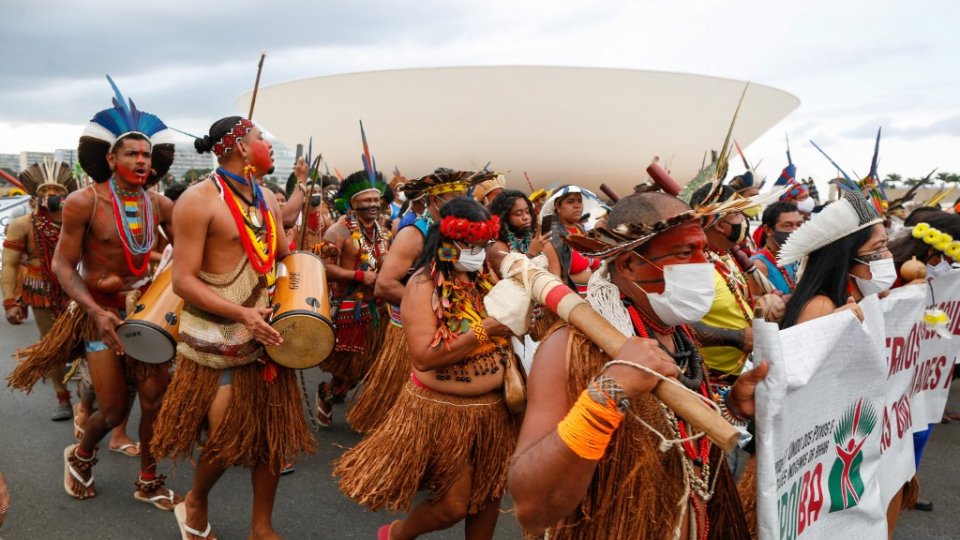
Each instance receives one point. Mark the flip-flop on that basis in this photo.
(69, 471)
(156, 500)
(383, 533)
(180, 512)
(125, 449)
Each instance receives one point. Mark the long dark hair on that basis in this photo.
(501, 206)
(826, 273)
(905, 246)
(462, 207)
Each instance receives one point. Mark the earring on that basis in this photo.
(448, 252)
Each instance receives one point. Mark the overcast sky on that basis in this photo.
(855, 65)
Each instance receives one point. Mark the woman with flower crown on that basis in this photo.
(449, 431)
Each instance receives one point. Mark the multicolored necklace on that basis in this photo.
(519, 244)
(259, 243)
(696, 453)
(370, 249)
(783, 271)
(45, 234)
(135, 222)
(737, 287)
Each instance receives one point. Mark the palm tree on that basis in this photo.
(892, 180)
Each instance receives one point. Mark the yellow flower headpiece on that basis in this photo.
(938, 240)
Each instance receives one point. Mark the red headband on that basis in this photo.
(227, 142)
(474, 232)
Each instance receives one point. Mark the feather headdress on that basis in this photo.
(481, 189)
(109, 126)
(357, 183)
(444, 181)
(606, 242)
(851, 213)
(47, 175)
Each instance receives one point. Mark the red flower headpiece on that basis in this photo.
(229, 140)
(473, 232)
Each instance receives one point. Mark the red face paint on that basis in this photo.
(261, 157)
(133, 162)
(683, 244)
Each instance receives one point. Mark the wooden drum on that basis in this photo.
(301, 313)
(149, 333)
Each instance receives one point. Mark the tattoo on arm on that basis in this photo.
(711, 336)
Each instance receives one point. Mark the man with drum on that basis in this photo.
(229, 236)
(360, 241)
(109, 229)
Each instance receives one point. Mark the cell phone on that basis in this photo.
(546, 224)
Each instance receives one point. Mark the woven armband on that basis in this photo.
(589, 426)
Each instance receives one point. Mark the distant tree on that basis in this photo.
(892, 180)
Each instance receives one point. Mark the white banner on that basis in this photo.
(836, 414)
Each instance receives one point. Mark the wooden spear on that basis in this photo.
(256, 85)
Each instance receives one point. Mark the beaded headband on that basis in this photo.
(229, 140)
(473, 232)
(938, 240)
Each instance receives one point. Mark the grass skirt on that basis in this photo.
(61, 344)
(385, 379)
(426, 442)
(263, 423)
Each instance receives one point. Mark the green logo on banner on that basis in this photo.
(845, 482)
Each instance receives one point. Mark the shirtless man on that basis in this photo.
(110, 230)
(360, 241)
(26, 276)
(229, 237)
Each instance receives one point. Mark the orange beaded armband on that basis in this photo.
(588, 427)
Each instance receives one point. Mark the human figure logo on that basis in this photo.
(845, 482)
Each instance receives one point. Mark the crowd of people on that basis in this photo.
(429, 376)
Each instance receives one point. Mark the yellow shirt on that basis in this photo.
(725, 313)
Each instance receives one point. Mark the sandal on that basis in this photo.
(180, 512)
(73, 465)
(383, 533)
(129, 450)
(165, 501)
(324, 418)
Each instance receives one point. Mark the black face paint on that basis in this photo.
(367, 209)
(54, 203)
(315, 200)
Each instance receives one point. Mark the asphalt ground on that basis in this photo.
(309, 504)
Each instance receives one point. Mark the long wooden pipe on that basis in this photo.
(548, 290)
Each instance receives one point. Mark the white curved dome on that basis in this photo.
(559, 124)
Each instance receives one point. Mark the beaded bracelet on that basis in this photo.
(10, 303)
(727, 411)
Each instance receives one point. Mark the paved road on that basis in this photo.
(308, 503)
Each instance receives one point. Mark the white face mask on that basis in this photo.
(468, 262)
(884, 273)
(806, 205)
(940, 269)
(687, 293)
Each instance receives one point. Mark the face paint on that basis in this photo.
(140, 161)
(261, 157)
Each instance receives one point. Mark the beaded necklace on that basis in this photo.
(45, 234)
(135, 224)
(696, 453)
(259, 243)
(370, 249)
(519, 244)
(737, 287)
